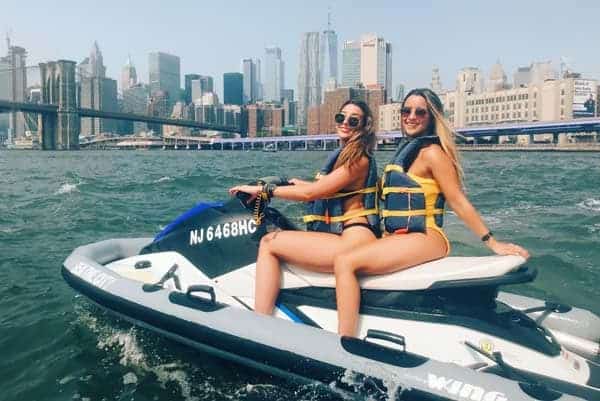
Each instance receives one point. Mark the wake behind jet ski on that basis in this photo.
(437, 331)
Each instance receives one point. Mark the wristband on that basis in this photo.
(268, 189)
(487, 236)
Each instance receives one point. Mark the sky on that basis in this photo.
(211, 37)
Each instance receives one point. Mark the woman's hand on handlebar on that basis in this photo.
(252, 190)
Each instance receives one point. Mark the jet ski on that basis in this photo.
(438, 331)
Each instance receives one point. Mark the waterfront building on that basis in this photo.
(135, 101)
(164, 76)
(321, 117)
(274, 75)
(128, 75)
(13, 87)
(376, 62)
(329, 58)
(265, 119)
(233, 88)
(309, 76)
(550, 100)
(351, 63)
(230, 115)
(187, 86)
(389, 117)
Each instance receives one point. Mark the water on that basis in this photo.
(55, 345)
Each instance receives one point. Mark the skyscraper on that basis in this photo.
(376, 62)
(351, 63)
(13, 86)
(97, 93)
(250, 70)
(274, 75)
(188, 78)
(329, 57)
(309, 75)
(135, 100)
(164, 75)
(233, 88)
(96, 66)
(128, 75)
(206, 84)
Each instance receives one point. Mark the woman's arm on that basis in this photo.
(445, 174)
(326, 186)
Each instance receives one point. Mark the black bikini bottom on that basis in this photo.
(365, 225)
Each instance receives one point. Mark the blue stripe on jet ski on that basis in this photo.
(199, 208)
(289, 313)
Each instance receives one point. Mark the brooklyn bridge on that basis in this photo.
(58, 114)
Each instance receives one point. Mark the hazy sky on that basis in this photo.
(211, 37)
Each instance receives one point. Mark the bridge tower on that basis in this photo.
(60, 131)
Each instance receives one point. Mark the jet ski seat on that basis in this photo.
(448, 272)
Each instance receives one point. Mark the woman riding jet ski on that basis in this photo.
(440, 330)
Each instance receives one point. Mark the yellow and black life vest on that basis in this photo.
(410, 203)
(327, 215)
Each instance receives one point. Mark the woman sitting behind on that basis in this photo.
(425, 173)
(342, 209)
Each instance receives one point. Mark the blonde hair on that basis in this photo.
(359, 145)
(439, 126)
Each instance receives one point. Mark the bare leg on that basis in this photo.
(391, 253)
(311, 250)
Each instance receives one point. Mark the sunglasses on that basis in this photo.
(353, 122)
(406, 111)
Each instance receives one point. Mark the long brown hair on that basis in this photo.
(362, 144)
(439, 126)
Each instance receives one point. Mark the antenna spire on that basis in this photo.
(329, 18)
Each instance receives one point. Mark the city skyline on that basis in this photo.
(451, 39)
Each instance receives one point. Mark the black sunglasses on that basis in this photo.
(353, 122)
(405, 112)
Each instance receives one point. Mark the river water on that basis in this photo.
(56, 345)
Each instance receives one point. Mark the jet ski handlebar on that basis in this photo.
(272, 179)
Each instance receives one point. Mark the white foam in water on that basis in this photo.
(390, 380)
(132, 355)
(67, 188)
(163, 179)
(130, 378)
(590, 204)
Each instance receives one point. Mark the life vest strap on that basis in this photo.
(407, 213)
(337, 219)
(368, 190)
(411, 190)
